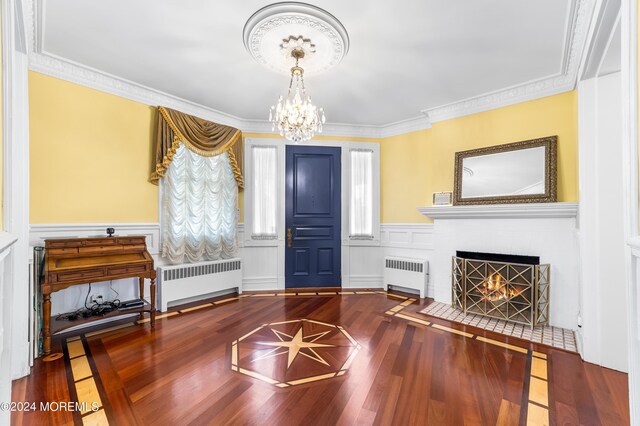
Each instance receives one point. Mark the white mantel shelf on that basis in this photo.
(502, 211)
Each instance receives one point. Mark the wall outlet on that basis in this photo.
(96, 298)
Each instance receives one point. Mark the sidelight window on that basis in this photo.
(265, 195)
(361, 194)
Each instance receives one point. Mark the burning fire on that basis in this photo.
(495, 288)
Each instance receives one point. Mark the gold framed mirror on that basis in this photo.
(520, 172)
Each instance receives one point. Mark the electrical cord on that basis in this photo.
(95, 310)
(113, 290)
(70, 316)
(87, 297)
(74, 315)
(100, 309)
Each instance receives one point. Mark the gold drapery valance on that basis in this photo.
(203, 137)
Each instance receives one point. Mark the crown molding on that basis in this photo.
(578, 24)
(73, 72)
(406, 126)
(502, 98)
(565, 80)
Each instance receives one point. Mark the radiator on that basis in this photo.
(406, 272)
(178, 282)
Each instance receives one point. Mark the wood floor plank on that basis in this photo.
(405, 372)
(509, 413)
(387, 413)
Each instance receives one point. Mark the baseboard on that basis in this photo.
(364, 281)
(260, 283)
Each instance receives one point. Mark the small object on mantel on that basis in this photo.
(442, 198)
(111, 231)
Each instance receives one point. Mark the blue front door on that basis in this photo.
(312, 253)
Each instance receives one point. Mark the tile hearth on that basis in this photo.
(557, 337)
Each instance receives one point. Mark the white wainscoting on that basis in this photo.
(413, 240)
(6, 305)
(73, 298)
(362, 265)
(263, 263)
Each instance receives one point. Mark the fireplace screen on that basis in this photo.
(508, 291)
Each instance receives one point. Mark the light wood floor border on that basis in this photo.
(538, 391)
(87, 393)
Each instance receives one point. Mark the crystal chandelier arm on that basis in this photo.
(304, 91)
(291, 81)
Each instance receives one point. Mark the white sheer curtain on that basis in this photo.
(361, 200)
(264, 160)
(199, 218)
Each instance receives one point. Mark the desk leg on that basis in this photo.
(46, 323)
(141, 284)
(152, 289)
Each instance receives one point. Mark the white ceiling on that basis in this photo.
(405, 56)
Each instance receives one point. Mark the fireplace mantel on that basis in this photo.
(545, 230)
(502, 211)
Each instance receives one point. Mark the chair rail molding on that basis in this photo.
(40, 232)
(503, 211)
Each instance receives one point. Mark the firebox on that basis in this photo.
(507, 287)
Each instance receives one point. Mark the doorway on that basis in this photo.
(313, 216)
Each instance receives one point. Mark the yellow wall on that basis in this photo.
(416, 165)
(90, 155)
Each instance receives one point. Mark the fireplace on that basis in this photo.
(507, 287)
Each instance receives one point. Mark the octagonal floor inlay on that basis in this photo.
(294, 352)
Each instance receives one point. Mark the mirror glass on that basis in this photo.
(506, 173)
(519, 172)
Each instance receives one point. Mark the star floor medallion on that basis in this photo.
(294, 352)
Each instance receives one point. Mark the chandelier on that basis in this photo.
(296, 118)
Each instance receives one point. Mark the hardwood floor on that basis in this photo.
(316, 357)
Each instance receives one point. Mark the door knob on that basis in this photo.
(289, 238)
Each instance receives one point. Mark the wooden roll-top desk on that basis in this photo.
(76, 261)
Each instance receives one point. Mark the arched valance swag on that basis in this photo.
(200, 136)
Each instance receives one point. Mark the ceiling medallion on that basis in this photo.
(278, 35)
(266, 29)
